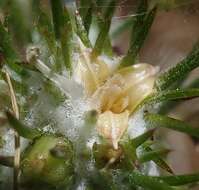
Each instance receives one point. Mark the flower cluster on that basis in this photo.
(114, 93)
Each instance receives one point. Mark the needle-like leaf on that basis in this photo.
(158, 160)
(23, 130)
(58, 17)
(9, 55)
(62, 29)
(86, 9)
(20, 22)
(6, 49)
(176, 180)
(81, 31)
(156, 120)
(141, 26)
(178, 94)
(142, 138)
(151, 155)
(148, 182)
(104, 32)
(168, 78)
(45, 28)
(66, 42)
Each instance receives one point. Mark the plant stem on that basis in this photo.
(16, 135)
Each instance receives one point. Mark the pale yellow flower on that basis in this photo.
(90, 75)
(112, 126)
(114, 95)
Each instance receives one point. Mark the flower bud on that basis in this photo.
(48, 161)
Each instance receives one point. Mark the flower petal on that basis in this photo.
(139, 82)
(138, 92)
(106, 95)
(137, 73)
(112, 126)
(90, 75)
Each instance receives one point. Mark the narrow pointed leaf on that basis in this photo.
(169, 77)
(142, 138)
(66, 40)
(6, 48)
(177, 94)
(20, 22)
(180, 179)
(151, 155)
(7, 161)
(130, 153)
(83, 7)
(86, 9)
(62, 29)
(81, 31)
(45, 28)
(156, 120)
(148, 182)
(104, 32)
(23, 130)
(159, 161)
(58, 18)
(8, 55)
(141, 27)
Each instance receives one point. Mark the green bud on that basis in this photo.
(48, 161)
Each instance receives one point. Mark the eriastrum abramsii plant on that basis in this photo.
(66, 92)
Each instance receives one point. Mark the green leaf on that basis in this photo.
(20, 22)
(54, 92)
(58, 17)
(174, 74)
(141, 27)
(62, 29)
(148, 182)
(176, 180)
(151, 155)
(66, 40)
(23, 130)
(129, 154)
(81, 31)
(104, 32)
(86, 9)
(142, 138)
(45, 28)
(168, 105)
(155, 120)
(158, 160)
(7, 161)
(84, 6)
(108, 50)
(6, 47)
(10, 56)
(177, 94)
